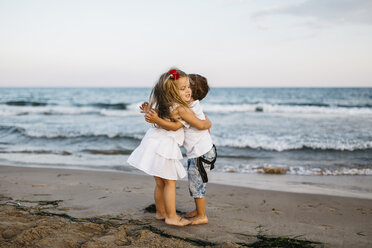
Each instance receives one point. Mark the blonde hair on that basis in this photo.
(165, 95)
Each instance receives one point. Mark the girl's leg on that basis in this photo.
(159, 198)
(170, 204)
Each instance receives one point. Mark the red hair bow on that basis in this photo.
(174, 74)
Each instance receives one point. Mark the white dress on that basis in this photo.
(159, 154)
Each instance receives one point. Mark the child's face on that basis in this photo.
(183, 85)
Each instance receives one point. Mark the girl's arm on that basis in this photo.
(152, 117)
(189, 116)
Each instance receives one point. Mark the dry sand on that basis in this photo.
(43, 207)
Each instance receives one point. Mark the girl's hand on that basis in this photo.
(151, 116)
(144, 107)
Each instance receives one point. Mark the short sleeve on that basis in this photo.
(184, 123)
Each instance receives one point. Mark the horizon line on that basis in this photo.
(93, 87)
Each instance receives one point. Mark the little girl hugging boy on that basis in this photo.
(198, 145)
(158, 153)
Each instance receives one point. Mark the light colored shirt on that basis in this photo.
(197, 142)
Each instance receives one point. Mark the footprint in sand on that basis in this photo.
(276, 211)
(334, 210)
(244, 220)
(127, 189)
(63, 175)
(364, 211)
(324, 226)
(38, 185)
(309, 206)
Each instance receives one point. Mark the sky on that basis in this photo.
(234, 43)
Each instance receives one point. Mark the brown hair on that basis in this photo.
(199, 86)
(165, 94)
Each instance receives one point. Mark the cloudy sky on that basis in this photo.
(246, 43)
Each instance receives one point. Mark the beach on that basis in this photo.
(286, 88)
(46, 207)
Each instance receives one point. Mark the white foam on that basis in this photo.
(51, 135)
(284, 143)
(132, 110)
(273, 108)
(297, 170)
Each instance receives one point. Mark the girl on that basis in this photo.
(159, 153)
(198, 145)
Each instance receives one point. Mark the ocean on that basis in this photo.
(302, 131)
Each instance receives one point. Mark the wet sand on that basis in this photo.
(43, 207)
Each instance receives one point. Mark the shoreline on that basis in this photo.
(354, 186)
(236, 214)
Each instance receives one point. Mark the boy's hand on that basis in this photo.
(151, 116)
(207, 119)
(144, 107)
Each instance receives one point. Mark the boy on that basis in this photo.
(200, 151)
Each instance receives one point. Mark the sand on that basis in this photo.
(44, 207)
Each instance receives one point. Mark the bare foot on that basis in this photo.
(177, 221)
(199, 220)
(159, 216)
(191, 214)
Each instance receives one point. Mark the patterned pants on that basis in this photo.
(196, 186)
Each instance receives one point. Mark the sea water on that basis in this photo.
(299, 131)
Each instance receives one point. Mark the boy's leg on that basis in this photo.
(159, 198)
(197, 187)
(201, 217)
(200, 206)
(190, 175)
(170, 205)
(192, 213)
(197, 191)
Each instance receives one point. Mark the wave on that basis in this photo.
(11, 130)
(47, 110)
(271, 144)
(85, 136)
(355, 106)
(107, 152)
(121, 109)
(118, 110)
(312, 108)
(118, 106)
(66, 153)
(26, 103)
(297, 170)
(309, 104)
(63, 153)
(246, 142)
(315, 104)
(314, 147)
(8, 130)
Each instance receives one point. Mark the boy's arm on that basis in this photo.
(189, 116)
(152, 117)
(144, 107)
